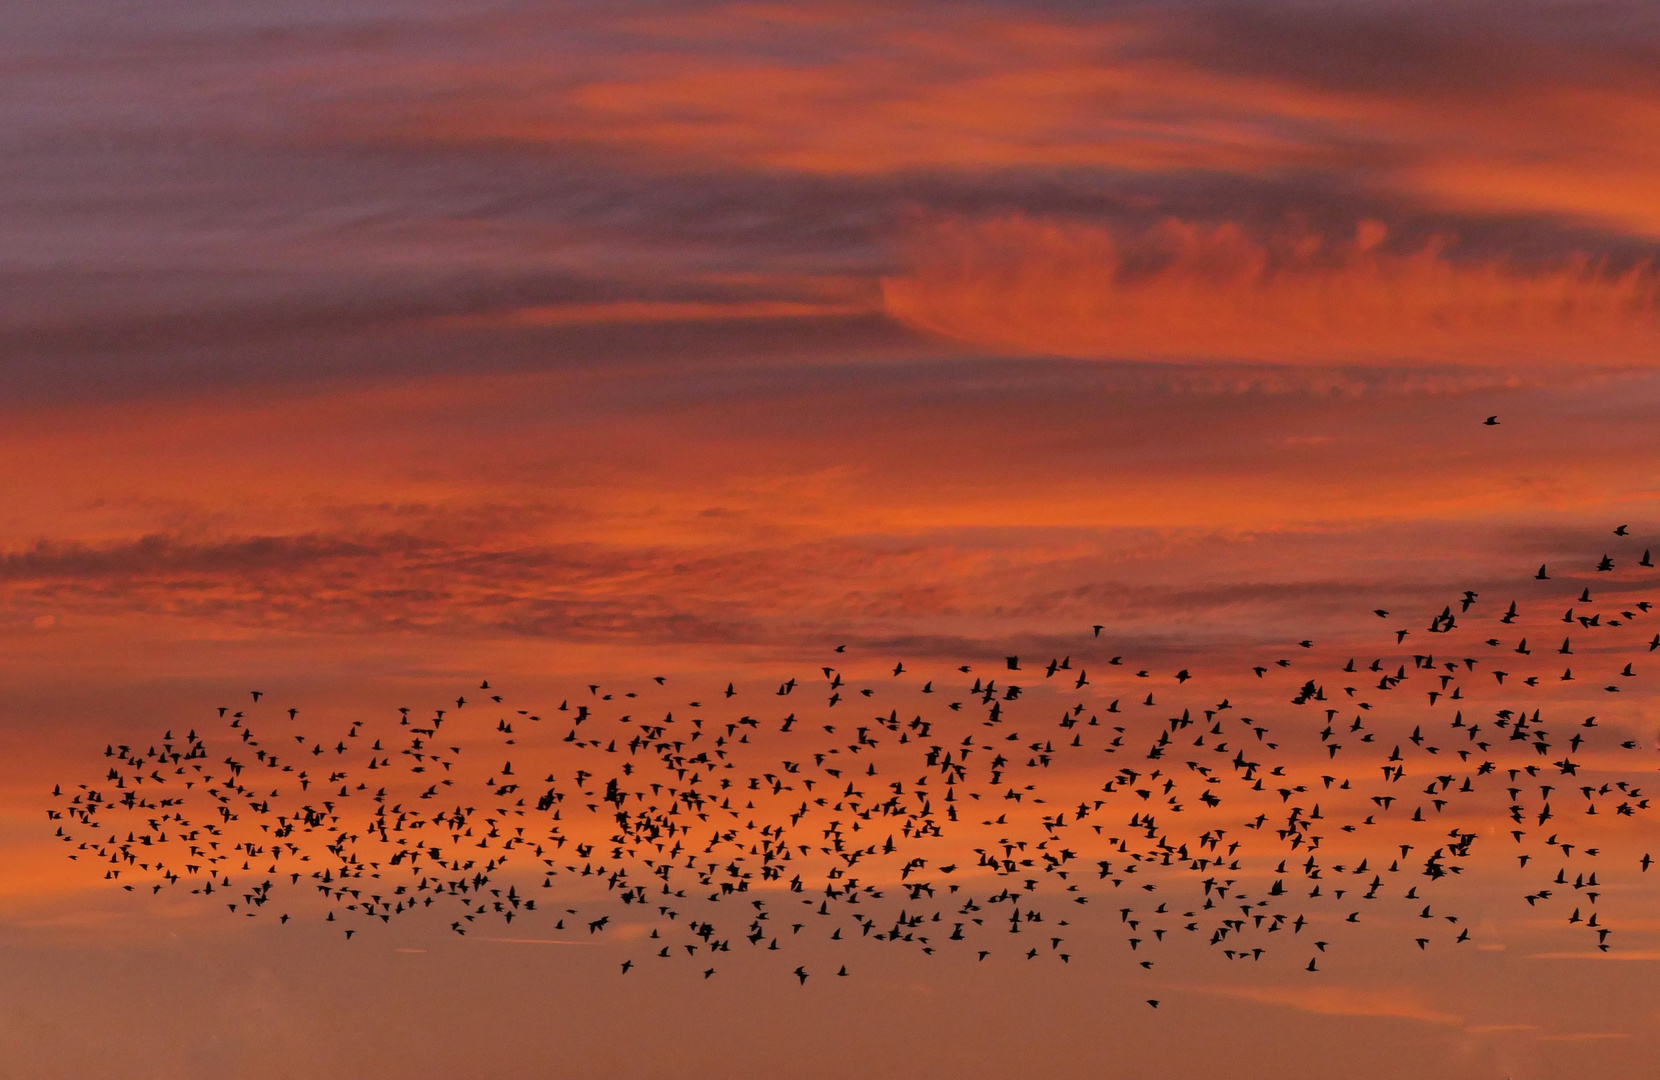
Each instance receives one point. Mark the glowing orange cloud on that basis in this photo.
(871, 96)
(844, 89)
(1343, 1001)
(1216, 293)
(1588, 152)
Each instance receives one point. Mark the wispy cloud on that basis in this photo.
(533, 941)
(1586, 1036)
(851, 89)
(1219, 292)
(650, 311)
(1405, 1003)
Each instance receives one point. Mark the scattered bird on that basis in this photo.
(713, 831)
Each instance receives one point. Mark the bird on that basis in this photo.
(840, 809)
(1491, 421)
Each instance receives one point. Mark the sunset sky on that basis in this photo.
(356, 352)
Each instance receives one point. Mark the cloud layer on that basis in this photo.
(1195, 291)
(356, 350)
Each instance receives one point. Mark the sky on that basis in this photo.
(358, 353)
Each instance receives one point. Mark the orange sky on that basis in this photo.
(358, 352)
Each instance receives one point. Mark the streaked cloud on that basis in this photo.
(354, 351)
(850, 89)
(1404, 1003)
(1184, 290)
(1584, 1036)
(650, 311)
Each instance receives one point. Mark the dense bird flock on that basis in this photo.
(989, 808)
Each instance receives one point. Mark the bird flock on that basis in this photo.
(1028, 807)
